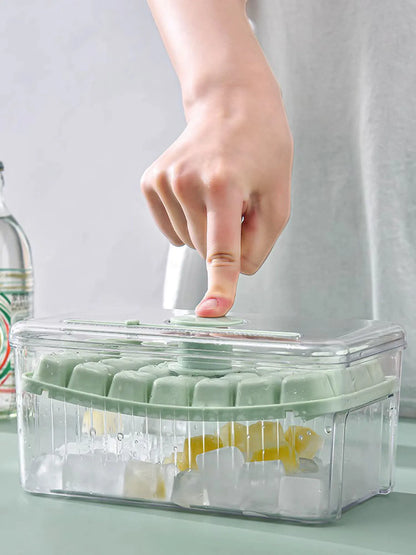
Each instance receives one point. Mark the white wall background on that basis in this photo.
(88, 100)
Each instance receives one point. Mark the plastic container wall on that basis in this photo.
(302, 467)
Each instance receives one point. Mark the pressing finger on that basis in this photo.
(224, 209)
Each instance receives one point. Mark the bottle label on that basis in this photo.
(14, 306)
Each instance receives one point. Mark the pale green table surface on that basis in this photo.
(46, 525)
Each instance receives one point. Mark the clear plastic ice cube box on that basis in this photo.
(259, 416)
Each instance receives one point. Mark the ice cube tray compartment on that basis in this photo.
(142, 384)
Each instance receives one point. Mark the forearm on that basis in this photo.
(212, 47)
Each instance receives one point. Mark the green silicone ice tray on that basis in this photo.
(136, 386)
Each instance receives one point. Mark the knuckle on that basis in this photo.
(180, 182)
(220, 181)
(160, 181)
(222, 259)
(146, 183)
(151, 179)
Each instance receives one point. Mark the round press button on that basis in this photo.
(197, 321)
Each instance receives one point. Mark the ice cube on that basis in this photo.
(226, 460)
(73, 448)
(197, 445)
(259, 484)
(308, 465)
(189, 490)
(45, 474)
(220, 471)
(98, 422)
(100, 445)
(305, 441)
(100, 473)
(302, 496)
(169, 472)
(146, 480)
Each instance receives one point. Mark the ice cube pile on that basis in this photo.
(253, 469)
(257, 468)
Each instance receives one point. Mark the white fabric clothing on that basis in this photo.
(348, 78)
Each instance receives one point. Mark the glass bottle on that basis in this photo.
(16, 296)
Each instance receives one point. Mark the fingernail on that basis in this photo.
(208, 304)
(213, 307)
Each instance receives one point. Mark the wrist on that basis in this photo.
(224, 95)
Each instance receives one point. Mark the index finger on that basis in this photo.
(224, 209)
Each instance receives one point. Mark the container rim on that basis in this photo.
(320, 341)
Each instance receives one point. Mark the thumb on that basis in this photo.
(223, 253)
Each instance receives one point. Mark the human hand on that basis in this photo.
(223, 187)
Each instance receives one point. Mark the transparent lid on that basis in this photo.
(176, 365)
(245, 336)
